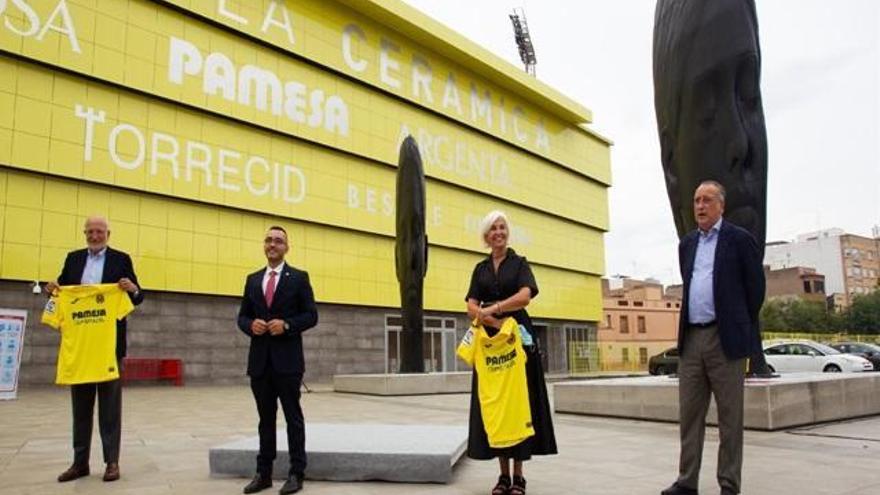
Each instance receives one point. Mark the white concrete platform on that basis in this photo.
(770, 404)
(356, 452)
(456, 382)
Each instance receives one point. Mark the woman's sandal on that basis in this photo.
(503, 485)
(518, 487)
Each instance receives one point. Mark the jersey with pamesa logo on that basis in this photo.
(500, 363)
(86, 316)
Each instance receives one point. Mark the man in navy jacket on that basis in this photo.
(277, 306)
(723, 292)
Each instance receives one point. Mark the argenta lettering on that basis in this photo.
(88, 313)
(499, 360)
(257, 87)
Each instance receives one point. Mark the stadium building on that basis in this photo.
(193, 125)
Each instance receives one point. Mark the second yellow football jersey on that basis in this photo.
(500, 363)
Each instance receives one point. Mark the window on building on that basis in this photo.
(643, 355)
(677, 305)
(608, 321)
(819, 287)
(621, 302)
(624, 355)
(807, 287)
(641, 324)
(668, 305)
(438, 344)
(624, 324)
(638, 303)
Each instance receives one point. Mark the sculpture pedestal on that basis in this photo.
(456, 382)
(352, 452)
(770, 404)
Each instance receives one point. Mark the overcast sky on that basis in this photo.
(821, 92)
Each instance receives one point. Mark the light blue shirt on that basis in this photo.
(701, 295)
(94, 271)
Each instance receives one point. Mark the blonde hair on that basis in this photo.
(486, 225)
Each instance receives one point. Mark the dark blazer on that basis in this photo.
(738, 286)
(294, 303)
(117, 265)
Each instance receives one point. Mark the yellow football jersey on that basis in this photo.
(86, 316)
(500, 363)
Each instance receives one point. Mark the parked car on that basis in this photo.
(810, 356)
(869, 351)
(665, 363)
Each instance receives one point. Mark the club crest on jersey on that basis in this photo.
(50, 307)
(99, 299)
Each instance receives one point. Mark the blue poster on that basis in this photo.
(12, 325)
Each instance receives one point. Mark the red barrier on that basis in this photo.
(138, 368)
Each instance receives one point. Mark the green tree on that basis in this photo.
(795, 315)
(772, 317)
(863, 315)
(807, 316)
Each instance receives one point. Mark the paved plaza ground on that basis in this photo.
(167, 432)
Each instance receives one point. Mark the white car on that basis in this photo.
(809, 356)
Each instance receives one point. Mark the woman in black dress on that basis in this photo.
(502, 286)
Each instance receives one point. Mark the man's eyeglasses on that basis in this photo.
(275, 240)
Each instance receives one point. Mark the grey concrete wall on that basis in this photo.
(201, 330)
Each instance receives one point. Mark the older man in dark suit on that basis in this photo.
(277, 306)
(723, 293)
(98, 264)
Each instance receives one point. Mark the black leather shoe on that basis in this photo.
(73, 472)
(677, 489)
(293, 484)
(259, 483)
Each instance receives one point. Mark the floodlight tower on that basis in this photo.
(523, 40)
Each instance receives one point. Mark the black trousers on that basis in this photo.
(109, 419)
(269, 389)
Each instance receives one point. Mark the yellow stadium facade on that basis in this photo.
(193, 125)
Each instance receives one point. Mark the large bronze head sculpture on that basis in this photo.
(411, 253)
(707, 68)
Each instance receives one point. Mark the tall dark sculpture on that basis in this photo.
(707, 96)
(411, 253)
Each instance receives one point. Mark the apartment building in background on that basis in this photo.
(639, 320)
(797, 282)
(849, 262)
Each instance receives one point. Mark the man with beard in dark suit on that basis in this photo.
(98, 264)
(277, 306)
